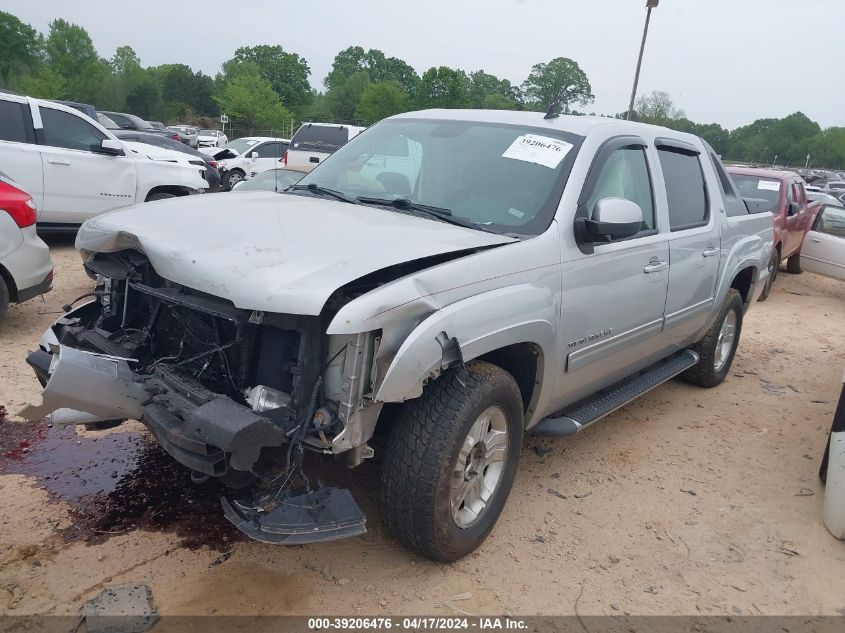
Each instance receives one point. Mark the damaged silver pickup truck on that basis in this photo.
(448, 280)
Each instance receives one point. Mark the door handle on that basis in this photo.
(52, 161)
(815, 240)
(710, 251)
(655, 266)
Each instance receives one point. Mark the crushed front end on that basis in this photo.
(234, 394)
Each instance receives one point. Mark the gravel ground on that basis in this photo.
(687, 501)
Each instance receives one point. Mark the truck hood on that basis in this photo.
(272, 252)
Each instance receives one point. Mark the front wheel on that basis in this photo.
(793, 264)
(233, 178)
(717, 349)
(450, 461)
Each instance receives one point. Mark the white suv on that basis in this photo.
(74, 168)
(252, 155)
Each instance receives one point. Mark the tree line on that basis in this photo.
(265, 87)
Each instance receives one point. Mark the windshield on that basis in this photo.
(107, 122)
(759, 188)
(497, 177)
(272, 180)
(208, 132)
(240, 145)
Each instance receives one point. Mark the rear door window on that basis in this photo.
(685, 189)
(13, 125)
(319, 138)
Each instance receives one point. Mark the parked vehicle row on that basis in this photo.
(74, 168)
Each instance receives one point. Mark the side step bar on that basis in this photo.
(605, 402)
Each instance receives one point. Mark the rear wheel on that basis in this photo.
(793, 264)
(774, 266)
(450, 462)
(717, 349)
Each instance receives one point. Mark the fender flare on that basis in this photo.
(523, 314)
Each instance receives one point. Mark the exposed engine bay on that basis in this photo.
(235, 394)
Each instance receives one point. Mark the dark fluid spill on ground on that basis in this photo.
(116, 483)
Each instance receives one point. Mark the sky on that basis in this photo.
(723, 61)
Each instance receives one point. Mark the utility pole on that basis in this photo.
(650, 4)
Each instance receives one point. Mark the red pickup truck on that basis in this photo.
(782, 193)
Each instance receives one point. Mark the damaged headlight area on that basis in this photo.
(230, 393)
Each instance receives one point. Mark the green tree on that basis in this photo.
(490, 92)
(44, 84)
(657, 108)
(72, 55)
(21, 48)
(251, 102)
(376, 64)
(343, 99)
(287, 72)
(381, 100)
(443, 87)
(561, 82)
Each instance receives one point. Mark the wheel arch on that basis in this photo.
(521, 342)
(7, 278)
(175, 190)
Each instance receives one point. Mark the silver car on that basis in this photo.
(188, 135)
(441, 285)
(25, 267)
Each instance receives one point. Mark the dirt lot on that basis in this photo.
(688, 501)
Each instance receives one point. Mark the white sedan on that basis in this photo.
(823, 251)
(212, 138)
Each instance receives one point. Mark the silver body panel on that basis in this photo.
(593, 318)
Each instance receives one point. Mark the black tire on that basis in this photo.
(422, 451)
(232, 178)
(774, 267)
(159, 195)
(4, 298)
(705, 373)
(793, 264)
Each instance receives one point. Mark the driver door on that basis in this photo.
(614, 298)
(823, 251)
(80, 182)
(270, 156)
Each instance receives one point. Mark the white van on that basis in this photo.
(314, 142)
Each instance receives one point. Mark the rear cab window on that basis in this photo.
(320, 138)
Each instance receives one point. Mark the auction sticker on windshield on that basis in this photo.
(542, 150)
(769, 185)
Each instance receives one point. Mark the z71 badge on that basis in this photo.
(591, 337)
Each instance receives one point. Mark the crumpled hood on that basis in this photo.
(272, 252)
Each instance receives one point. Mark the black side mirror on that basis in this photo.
(793, 208)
